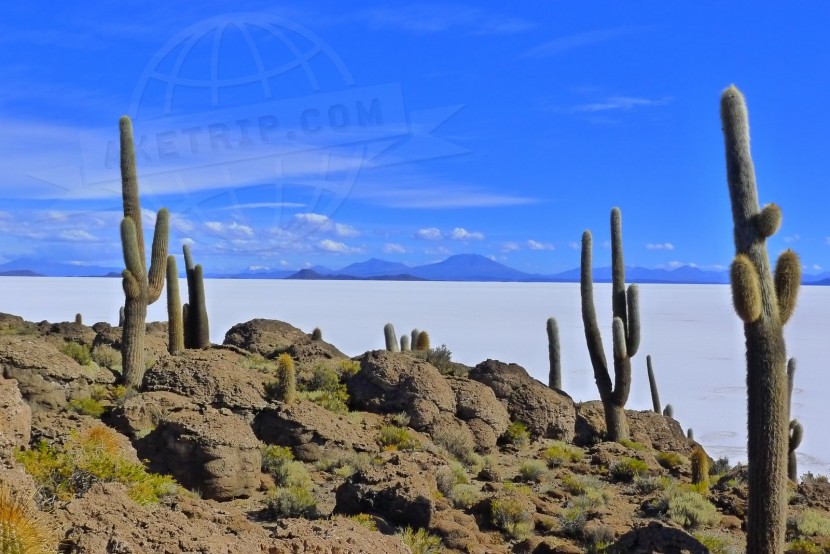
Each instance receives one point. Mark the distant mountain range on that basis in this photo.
(462, 267)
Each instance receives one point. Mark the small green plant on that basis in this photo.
(348, 369)
(86, 406)
(634, 445)
(325, 389)
(401, 419)
(420, 541)
(464, 496)
(626, 469)
(532, 470)
(460, 445)
(448, 477)
(716, 542)
(365, 520)
(720, 466)
(259, 363)
(512, 516)
(585, 485)
(809, 523)
(687, 508)
(598, 539)
(573, 519)
(76, 351)
(804, 546)
(670, 460)
(296, 501)
(560, 453)
(279, 462)
(397, 438)
(517, 434)
(647, 484)
(106, 356)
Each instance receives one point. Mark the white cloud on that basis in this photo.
(441, 250)
(660, 246)
(258, 268)
(816, 267)
(324, 224)
(393, 248)
(619, 103)
(570, 42)
(792, 238)
(328, 245)
(429, 233)
(509, 247)
(536, 245)
(575, 245)
(188, 241)
(460, 233)
(76, 235)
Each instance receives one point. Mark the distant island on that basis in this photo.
(461, 267)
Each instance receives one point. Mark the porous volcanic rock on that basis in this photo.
(400, 490)
(210, 450)
(309, 428)
(155, 339)
(69, 331)
(215, 377)
(46, 377)
(478, 407)
(655, 430)
(266, 337)
(393, 382)
(656, 537)
(140, 414)
(546, 412)
(15, 414)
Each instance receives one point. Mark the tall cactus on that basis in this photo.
(422, 343)
(625, 330)
(390, 338)
(405, 347)
(175, 329)
(194, 313)
(764, 304)
(796, 429)
(555, 374)
(140, 288)
(652, 384)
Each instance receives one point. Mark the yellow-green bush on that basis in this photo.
(86, 406)
(76, 351)
(634, 445)
(106, 356)
(559, 453)
(810, 523)
(397, 438)
(671, 460)
(626, 469)
(517, 434)
(296, 501)
(532, 470)
(511, 516)
(420, 541)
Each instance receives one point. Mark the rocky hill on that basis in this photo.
(383, 453)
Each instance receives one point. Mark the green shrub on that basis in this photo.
(532, 470)
(259, 363)
(810, 523)
(106, 356)
(572, 521)
(559, 453)
(599, 538)
(626, 469)
(512, 516)
(86, 406)
(280, 463)
(517, 434)
(591, 491)
(93, 455)
(671, 460)
(804, 546)
(720, 466)
(365, 520)
(76, 351)
(647, 484)
(448, 477)
(348, 369)
(634, 445)
(717, 542)
(464, 496)
(397, 438)
(688, 508)
(420, 541)
(401, 419)
(294, 501)
(460, 445)
(344, 464)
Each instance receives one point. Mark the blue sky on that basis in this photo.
(328, 133)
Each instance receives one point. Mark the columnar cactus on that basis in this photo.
(652, 383)
(555, 374)
(194, 314)
(287, 378)
(405, 347)
(390, 337)
(316, 334)
(175, 328)
(140, 288)
(700, 466)
(414, 337)
(668, 411)
(79, 319)
(796, 430)
(764, 304)
(422, 343)
(625, 331)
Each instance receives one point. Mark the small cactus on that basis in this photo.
(316, 334)
(796, 434)
(390, 337)
(79, 320)
(121, 316)
(700, 466)
(175, 328)
(422, 344)
(195, 317)
(405, 343)
(287, 378)
(668, 411)
(690, 434)
(413, 336)
(555, 374)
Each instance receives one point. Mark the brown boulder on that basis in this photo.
(212, 451)
(309, 429)
(655, 430)
(266, 337)
(15, 414)
(140, 414)
(478, 407)
(656, 537)
(392, 382)
(155, 339)
(215, 377)
(546, 412)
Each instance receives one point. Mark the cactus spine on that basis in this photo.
(700, 466)
(555, 375)
(764, 304)
(405, 343)
(194, 313)
(175, 328)
(287, 378)
(140, 288)
(625, 327)
(390, 337)
(422, 343)
(652, 383)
